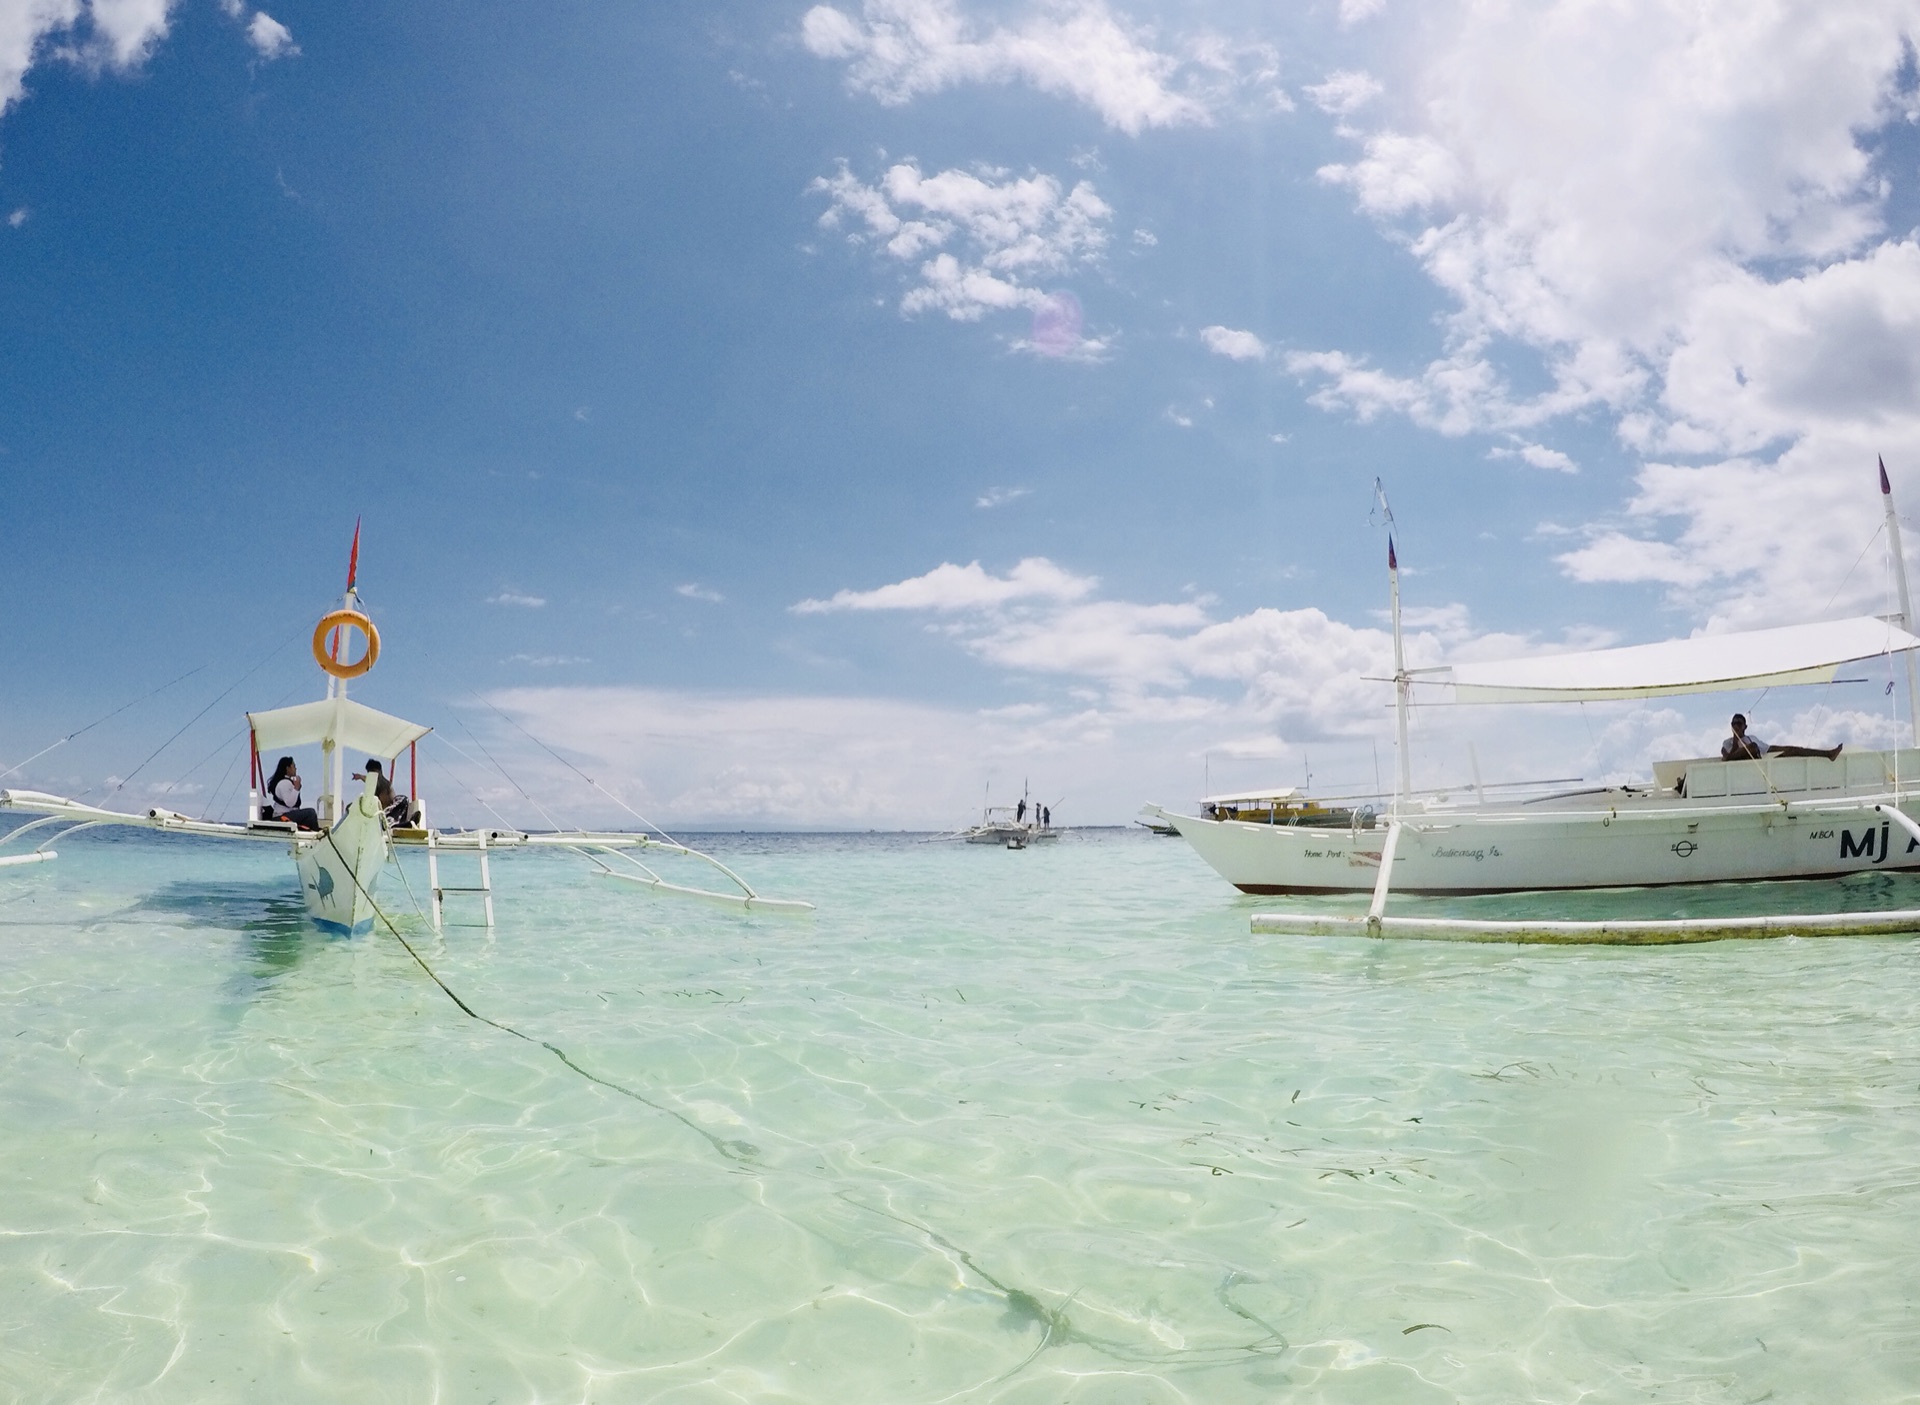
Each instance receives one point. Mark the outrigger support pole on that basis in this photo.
(1901, 818)
(1381, 884)
(1906, 606)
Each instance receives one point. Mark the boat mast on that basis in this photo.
(1906, 608)
(333, 760)
(1401, 683)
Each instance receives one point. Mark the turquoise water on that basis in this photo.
(1015, 1127)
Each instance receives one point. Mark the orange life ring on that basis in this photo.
(345, 619)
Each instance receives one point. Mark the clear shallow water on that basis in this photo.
(1017, 1127)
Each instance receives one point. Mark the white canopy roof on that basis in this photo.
(349, 725)
(1799, 653)
(1284, 792)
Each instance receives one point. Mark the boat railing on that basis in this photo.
(1344, 808)
(1712, 778)
(1645, 806)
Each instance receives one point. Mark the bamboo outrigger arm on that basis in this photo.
(1659, 932)
(57, 809)
(645, 877)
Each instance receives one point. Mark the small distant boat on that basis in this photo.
(339, 863)
(998, 826)
(1002, 825)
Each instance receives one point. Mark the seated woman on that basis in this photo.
(283, 791)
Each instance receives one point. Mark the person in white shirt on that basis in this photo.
(1744, 746)
(284, 791)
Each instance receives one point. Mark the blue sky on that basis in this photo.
(812, 414)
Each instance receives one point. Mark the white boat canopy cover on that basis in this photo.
(339, 722)
(1707, 663)
(1285, 792)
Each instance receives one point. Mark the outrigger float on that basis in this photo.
(1697, 821)
(340, 863)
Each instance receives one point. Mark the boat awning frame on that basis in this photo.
(336, 722)
(1282, 793)
(1707, 663)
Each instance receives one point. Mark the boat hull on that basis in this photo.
(1010, 835)
(339, 868)
(1513, 851)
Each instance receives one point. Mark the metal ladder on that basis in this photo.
(484, 888)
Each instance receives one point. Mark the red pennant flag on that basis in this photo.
(353, 561)
(1885, 487)
(1393, 562)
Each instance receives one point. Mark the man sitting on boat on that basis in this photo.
(400, 809)
(1744, 746)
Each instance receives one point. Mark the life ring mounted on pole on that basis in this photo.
(345, 619)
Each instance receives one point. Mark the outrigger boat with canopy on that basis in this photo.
(1699, 820)
(1012, 826)
(340, 863)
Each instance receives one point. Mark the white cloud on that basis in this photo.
(545, 660)
(951, 587)
(1234, 344)
(1041, 620)
(270, 38)
(1353, 11)
(1134, 695)
(1538, 455)
(692, 590)
(1344, 91)
(687, 759)
(1400, 174)
(1000, 497)
(978, 240)
(1118, 702)
(104, 34)
(514, 597)
(897, 50)
(1672, 209)
(1749, 543)
(18, 217)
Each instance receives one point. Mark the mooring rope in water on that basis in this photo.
(1057, 1328)
(736, 1151)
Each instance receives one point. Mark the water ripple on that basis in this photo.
(1009, 1127)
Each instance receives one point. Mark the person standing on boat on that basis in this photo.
(284, 789)
(1744, 746)
(1020, 811)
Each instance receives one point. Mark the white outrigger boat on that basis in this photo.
(1012, 827)
(339, 863)
(1695, 821)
